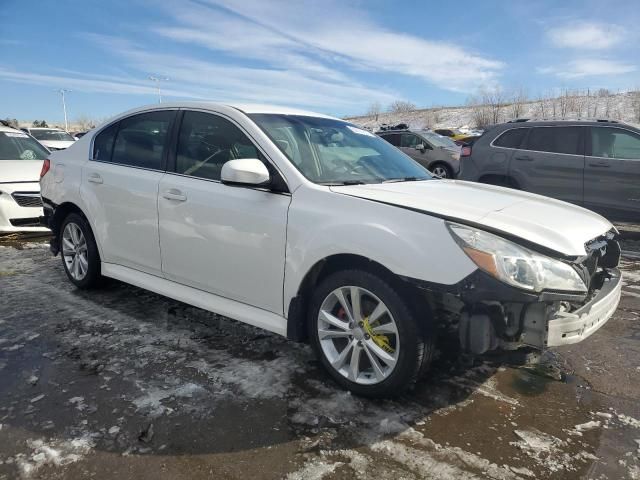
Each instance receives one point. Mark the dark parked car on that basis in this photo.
(438, 154)
(593, 163)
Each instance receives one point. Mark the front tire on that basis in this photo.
(79, 252)
(367, 335)
(442, 170)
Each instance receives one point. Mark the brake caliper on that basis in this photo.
(381, 340)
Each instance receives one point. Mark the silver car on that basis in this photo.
(438, 154)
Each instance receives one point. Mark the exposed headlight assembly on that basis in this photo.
(515, 265)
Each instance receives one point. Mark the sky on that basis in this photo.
(331, 56)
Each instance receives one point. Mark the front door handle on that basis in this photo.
(94, 178)
(174, 194)
(599, 164)
(524, 158)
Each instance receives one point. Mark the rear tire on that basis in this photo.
(348, 346)
(79, 252)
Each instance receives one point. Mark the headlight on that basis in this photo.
(515, 265)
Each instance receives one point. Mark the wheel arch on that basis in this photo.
(298, 306)
(59, 214)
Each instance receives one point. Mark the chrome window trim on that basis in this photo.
(210, 180)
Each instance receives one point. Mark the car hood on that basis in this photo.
(57, 144)
(12, 171)
(550, 223)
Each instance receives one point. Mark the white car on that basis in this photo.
(313, 228)
(52, 138)
(21, 160)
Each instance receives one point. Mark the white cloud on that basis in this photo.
(587, 35)
(325, 39)
(589, 68)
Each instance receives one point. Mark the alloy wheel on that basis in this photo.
(440, 172)
(358, 335)
(74, 251)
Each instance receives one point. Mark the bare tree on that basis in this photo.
(518, 100)
(635, 105)
(494, 99)
(480, 112)
(401, 106)
(84, 122)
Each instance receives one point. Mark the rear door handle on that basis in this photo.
(94, 178)
(599, 164)
(174, 194)
(524, 158)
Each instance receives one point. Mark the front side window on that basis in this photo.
(615, 143)
(555, 140)
(409, 140)
(334, 152)
(20, 146)
(52, 135)
(141, 140)
(511, 138)
(206, 142)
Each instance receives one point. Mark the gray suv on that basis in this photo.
(438, 154)
(593, 163)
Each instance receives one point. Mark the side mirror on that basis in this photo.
(245, 171)
(420, 147)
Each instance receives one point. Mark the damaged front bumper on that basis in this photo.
(565, 328)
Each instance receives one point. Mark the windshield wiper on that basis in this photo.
(346, 182)
(403, 179)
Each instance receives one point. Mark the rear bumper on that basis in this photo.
(568, 328)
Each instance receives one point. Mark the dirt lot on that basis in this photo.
(121, 383)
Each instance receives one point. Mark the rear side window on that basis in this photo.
(103, 144)
(206, 142)
(615, 143)
(511, 138)
(141, 140)
(393, 139)
(555, 140)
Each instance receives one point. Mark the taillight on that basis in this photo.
(466, 151)
(46, 165)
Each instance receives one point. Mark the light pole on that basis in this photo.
(158, 80)
(62, 91)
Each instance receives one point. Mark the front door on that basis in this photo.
(551, 163)
(612, 173)
(120, 189)
(226, 240)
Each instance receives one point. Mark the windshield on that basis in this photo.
(439, 140)
(51, 135)
(20, 146)
(333, 152)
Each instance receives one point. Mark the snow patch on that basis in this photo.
(55, 452)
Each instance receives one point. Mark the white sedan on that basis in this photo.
(21, 159)
(52, 138)
(313, 228)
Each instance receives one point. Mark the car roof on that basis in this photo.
(4, 128)
(542, 122)
(247, 108)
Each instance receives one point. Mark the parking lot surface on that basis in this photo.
(122, 383)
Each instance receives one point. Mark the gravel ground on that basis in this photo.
(122, 383)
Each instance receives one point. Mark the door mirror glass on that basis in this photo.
(245, 171)
(420, 146)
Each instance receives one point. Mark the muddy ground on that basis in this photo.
(122, 383)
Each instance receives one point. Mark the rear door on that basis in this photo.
(120, 189)
(612, 172)
(551, 162)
